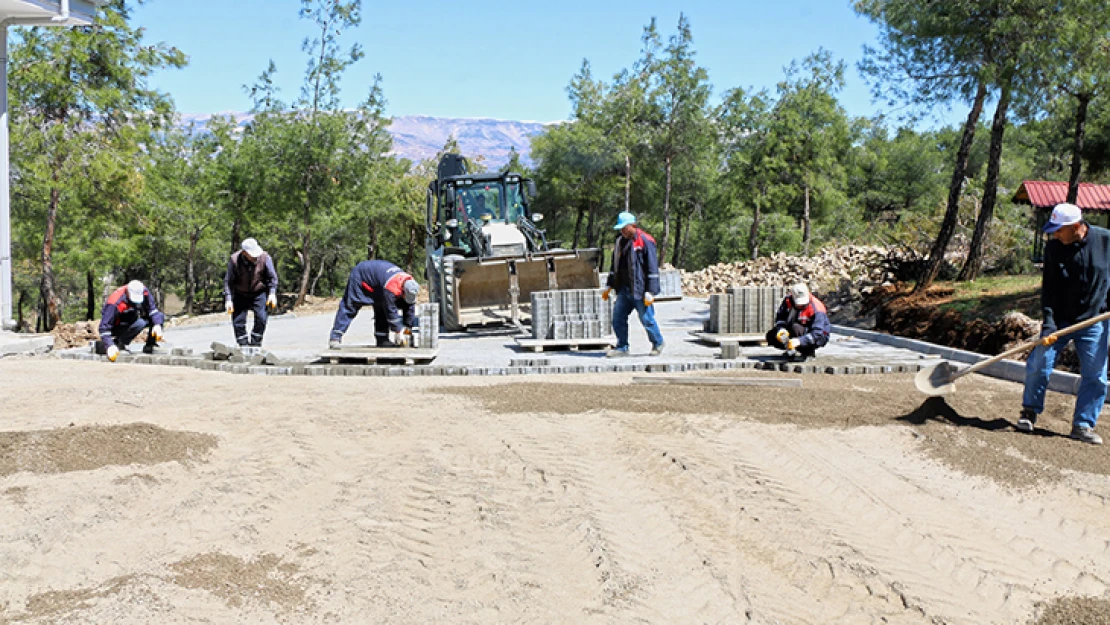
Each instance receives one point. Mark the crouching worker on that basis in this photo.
(390, 291)
(801, 324)
(129, 310)
(250, 285)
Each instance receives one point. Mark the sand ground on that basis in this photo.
(139, 494)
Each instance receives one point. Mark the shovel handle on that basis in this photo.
(1024, 347)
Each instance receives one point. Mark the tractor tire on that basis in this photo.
(448, 312)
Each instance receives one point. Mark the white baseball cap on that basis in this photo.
(411, 288)
(135, 291)
(1063, 215)
(250, 246)
(800, 294)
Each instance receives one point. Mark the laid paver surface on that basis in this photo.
(302, 339)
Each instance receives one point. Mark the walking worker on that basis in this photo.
(392, 293)
(635, 279)
(801, 324)
(1074, 288)
(128, 311)
(250, 285)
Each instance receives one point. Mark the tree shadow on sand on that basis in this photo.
(937, 409)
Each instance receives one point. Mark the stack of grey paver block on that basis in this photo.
(428, 318)
(744, 309)
(571, 314)
(670, 284)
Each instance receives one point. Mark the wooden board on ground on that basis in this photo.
(668, 298)
(574, 345)
(691, 381)
(716, 339)
(372, 355)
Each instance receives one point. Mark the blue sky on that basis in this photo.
(505, 60)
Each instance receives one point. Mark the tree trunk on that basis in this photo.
(753, 235)
(236, 232)
(955, 187)
(372, 245)
(577, 228)
(591, 238)
(319, 274)
(627, 183)
(306, 268)
(686, 238)
(678, 242)
(665, 237)
(191, 273)
(974, 261)
(90, 294)
(51, 316)
(1077, 146)
(410, 256)
(805, 224)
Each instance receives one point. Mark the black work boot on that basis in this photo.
(1027, 420)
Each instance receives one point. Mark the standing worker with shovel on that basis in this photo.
(1074, 292)
(1074, 289)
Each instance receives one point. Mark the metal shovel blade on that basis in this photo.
(936, 380)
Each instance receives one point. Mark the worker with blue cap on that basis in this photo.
(1074, 288)
(634, 277)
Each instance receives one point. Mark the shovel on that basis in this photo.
(940, 379)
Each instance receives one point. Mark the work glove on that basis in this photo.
(793, 344)
(649, 299)
(229, 307)
(782, 335)
(113, 353)
(156, 332)
(399, 339)
(605, 295)
(271, 301)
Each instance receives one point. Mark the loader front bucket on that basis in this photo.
(482, 289)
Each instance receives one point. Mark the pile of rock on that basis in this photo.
(825, 271)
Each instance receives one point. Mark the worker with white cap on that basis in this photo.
(127, 312)
(1074, 288)
(392, 293)
(250, 285)
(801, 324)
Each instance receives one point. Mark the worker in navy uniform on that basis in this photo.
(801, 324)
(128, 311)
(390, 291)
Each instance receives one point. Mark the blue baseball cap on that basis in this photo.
(624, 219)
(1063, 215)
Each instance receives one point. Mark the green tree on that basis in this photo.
(81, 105)
(678, 101)
(929, 55)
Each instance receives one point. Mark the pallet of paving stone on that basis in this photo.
(574, 345)
(714, 339)
(373, 355)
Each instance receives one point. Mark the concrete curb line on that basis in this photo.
(13, 344)
(319, 369)
(1012, 370)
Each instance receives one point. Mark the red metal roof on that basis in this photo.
(1046, 194)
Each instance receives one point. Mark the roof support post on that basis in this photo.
(6, 321)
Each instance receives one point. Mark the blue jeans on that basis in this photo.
(622, 308)
(1091, 345)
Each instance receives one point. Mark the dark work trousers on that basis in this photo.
(123, 334)
(348, 310)
(244, 303)
(796, 330)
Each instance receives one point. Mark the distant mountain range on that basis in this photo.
(418, 137)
